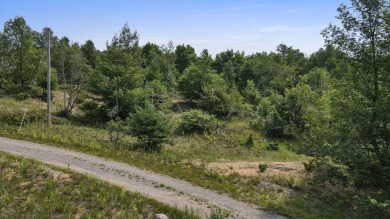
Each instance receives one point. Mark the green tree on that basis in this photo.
(291, 57)
(148, 52)
(230, 65)
(90, 53)
(77, 79)
(150, 126)
(364, 37)
(185, 55)
(192, 82)
(18, 39)
(220, 99)
(251, 93)
(205, 60)
(127, 40)
(119, 71)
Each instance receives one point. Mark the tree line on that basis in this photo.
(334, 101)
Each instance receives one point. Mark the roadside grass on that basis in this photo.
(292, 196)
(29, 189)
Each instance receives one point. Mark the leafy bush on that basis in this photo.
(219, 214)
(116, 131)
(249, 141)
(21, 96)
(310, 166)
(374, 207)
(327, 169)
(150, 126)
(262, 167)
(14, 117)
(196, 121)
(272, 146)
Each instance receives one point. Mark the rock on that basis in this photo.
(161, 216)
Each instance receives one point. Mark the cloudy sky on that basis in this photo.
(245, 25)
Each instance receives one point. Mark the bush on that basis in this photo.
(116, 131)
(310, 166)
(272, 146)
(219, 214)
(150, 126)
(327, 169)
(14, 117)
(249, 141)
(262, 167)
(21, 96)
(196, 121)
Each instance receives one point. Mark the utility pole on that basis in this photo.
(48, 81)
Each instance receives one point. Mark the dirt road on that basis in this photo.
(174, 192)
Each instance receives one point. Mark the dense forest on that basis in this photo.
(334, 102)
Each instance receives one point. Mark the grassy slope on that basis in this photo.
(290, 196)
(29, 189)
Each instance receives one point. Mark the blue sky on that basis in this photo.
(245, 25)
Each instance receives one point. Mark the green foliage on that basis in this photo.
(311, 165)
(189, 214)
(360, 135)
(185, 55)
(262, 167)
(251, 93)
(196, 121)
(150, 126)
(89, 52)
(117, 130)
(193, 80)
(21, 96)
(14, 117)
(219, 213)
(53, 79)
(327, 169)
(375, 208)
(221, 99)
(25, 59)
(273, 146)
(270, 118)
(249, 141)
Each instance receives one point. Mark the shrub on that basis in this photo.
(196, 121)
(14, 117)
(310, 166)
(150, 126)
(21, 96)
(262, 167)
(249, 141)
(219, 214)
(327, 169)
(272, 146)
(116, 131)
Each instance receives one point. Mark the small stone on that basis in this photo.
(161, 216)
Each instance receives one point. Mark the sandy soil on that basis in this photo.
(252, 168)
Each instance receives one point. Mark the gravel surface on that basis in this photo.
(174, 192)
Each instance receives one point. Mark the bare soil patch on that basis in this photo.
(246, 168)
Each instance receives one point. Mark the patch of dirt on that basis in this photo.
(246, 168)
(59, 176)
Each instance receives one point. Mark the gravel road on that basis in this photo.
(174, 192)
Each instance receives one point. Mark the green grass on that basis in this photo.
(29, 189)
